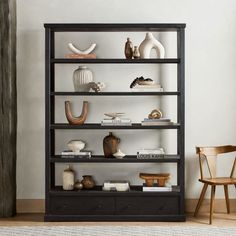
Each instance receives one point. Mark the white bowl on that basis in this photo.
(76, 145)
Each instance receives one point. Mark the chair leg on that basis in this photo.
(204, 188)
(227, 198)
(213, 189)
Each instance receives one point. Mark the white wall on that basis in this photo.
(210, 82)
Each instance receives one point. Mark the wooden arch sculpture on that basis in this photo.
(76, 120)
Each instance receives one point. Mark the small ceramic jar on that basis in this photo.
(88, 182)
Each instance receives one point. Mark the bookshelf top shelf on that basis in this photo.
(73, 27)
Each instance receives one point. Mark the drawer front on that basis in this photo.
(147, 205)
(82, 205)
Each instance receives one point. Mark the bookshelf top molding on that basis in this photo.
(69, 27)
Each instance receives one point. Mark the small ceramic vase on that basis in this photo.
(68, 179)
(88, 182)
(76, 145)
(110, 145)
(78, 185)
(136, 53)
(128, 49)
(81, 78)
(148, 44)
(119, 154)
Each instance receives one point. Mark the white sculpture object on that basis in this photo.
(79, 51)
(119, 154)
(148, 44)
(114, 115)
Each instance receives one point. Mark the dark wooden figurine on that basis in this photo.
(110, 145)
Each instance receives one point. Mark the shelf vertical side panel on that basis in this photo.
(49, 112)
(181, 116)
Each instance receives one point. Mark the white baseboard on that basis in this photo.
(38, 205)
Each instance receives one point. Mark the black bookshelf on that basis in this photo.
(98, 205)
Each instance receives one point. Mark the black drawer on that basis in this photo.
(147, 205)
(82, 205)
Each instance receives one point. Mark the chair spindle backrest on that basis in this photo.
(208, 155)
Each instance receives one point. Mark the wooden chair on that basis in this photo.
(207, 157)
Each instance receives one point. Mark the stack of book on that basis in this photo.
(150, 153)
(147, 88)
(160, 121)
(156, 188)
(71, 154)
(119, 121)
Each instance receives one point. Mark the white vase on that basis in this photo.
(119, 154)
(68, 179)
(81, 78)
(148, 44)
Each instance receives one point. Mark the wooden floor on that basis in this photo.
(223, 220)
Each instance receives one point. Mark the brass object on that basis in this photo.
(78, 185)
(76, 120)
(128, 49)
(110, 145)
(155, 114)
(150, 178)
(88, 182)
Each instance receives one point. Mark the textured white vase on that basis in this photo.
(81, 78)
(148, 44)
(68, 179)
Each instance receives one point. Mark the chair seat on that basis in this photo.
(219, 181)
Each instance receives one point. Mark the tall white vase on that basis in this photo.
(148, 44)
(81, 78)
(68, 179)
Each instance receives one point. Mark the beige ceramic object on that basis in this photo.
(148, 44)
(81, 78)
(68, 179)
(76, 145)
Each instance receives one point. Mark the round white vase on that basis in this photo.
(81, 78)
(148, 44)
